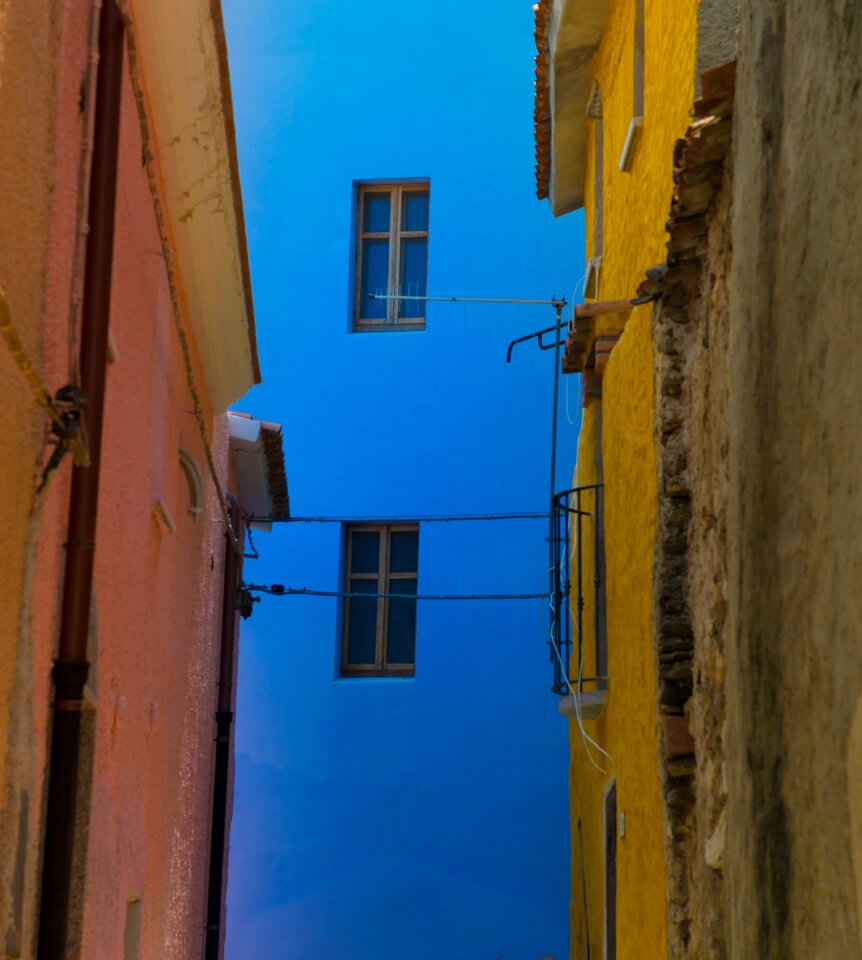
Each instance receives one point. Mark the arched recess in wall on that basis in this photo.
(194, 481)
(594, 113)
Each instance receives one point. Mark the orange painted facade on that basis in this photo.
(146, 786)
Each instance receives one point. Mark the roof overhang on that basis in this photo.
(573, 31)
(179, 67)
(258, 460)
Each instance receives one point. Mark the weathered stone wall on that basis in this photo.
(692, 369)
(707, 581)
(793, 860)
(716, 35)
(674, 332)
(690, 333)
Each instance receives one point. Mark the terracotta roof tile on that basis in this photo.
(271, 441)
(542, 103)
(270, 434)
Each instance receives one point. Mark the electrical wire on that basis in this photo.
(427, 518)
(62, 415)
(553, 302)
(170, 272)
(586, 738)
(201, 422)
(254, 555)
(279, 590)
(574, 300)
(580, 284)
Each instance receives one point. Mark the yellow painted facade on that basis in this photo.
(635, 208)
(28, 41)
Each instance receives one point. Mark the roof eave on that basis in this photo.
(258, 457)
(181, 77)
(575, 31)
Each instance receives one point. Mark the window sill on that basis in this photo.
(589, 703)
(629, 146)
(390, 680)
(414, 326)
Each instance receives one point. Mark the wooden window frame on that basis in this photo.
(381, 666)
(395, 235)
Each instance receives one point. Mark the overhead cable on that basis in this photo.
(427, 518)
(279, 590)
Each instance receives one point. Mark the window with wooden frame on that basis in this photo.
(637, 90)
(594, 264)
(391, 255)
(379, 634)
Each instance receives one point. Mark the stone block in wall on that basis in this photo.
(677, 736)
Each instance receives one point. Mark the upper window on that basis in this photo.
(379, 636)
(594, 112)
(637, 90)
(391, 256)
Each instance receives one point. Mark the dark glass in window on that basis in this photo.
(375, 215)
(362, 627)
(414, 261)
(375, 278)
(414, 211)
(404, 551)
(401, 628)
(365, 551)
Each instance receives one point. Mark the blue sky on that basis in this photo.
(423, 818)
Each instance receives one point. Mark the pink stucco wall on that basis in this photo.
(157, 607)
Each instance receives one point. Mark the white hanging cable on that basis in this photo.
(587, 739)
(571, 307)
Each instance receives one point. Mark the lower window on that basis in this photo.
(379, 638)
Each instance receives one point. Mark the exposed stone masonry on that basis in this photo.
(689, 607)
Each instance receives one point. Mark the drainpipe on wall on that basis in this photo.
(224, 720)
(71, 666)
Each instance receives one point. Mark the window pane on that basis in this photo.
(414, 211)
(362, 623)
(414, 260)
(375, 278)
(365, 551)
(401, 628)
(375, 213)
(404, 551)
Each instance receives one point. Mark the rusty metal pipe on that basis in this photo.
(71, 666)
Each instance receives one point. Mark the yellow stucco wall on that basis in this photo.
(28, 38)
(635, 208)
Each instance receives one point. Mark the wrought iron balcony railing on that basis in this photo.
(577, 552)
